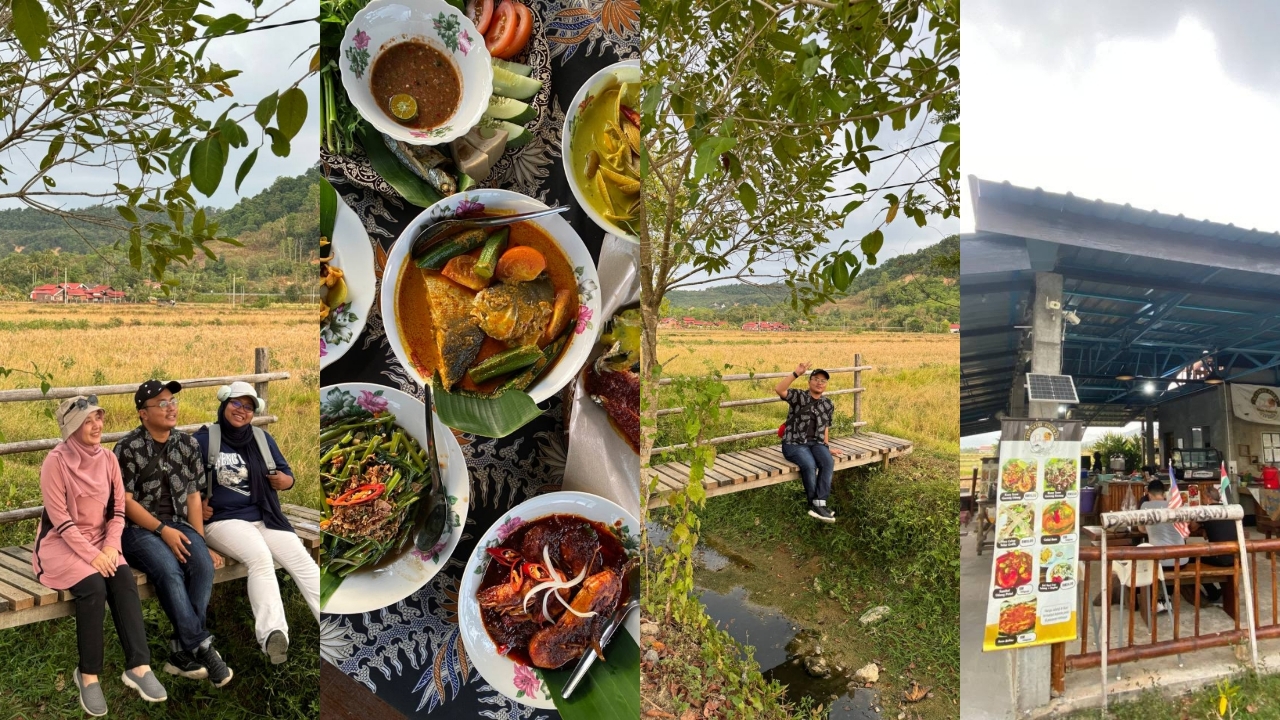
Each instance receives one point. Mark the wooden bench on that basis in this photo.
(23, 600)
(747, 469)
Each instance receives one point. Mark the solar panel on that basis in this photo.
(1051, 388)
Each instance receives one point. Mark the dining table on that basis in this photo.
(410, 654)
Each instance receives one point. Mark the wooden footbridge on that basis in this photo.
(747, 469)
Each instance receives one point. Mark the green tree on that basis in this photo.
(756, 115)
(119, 85)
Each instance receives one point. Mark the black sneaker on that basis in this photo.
(822, 513)
(219, 673)
(185, 664)
(277, 647)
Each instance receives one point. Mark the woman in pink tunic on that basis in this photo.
(78, 549)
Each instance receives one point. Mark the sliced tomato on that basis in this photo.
(502, 28)
(481, 13)
(524, 28)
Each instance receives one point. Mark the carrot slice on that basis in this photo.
(520, 264)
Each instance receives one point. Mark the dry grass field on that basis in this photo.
(912, 393)
(105, 345)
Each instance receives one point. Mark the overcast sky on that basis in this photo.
(265, 57)
(1168, 105)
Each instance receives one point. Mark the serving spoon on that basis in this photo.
(589, 657)
(437, 232)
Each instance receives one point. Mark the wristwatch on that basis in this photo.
(159, 531)
(795, 374)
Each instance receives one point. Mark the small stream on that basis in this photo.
(780, 643)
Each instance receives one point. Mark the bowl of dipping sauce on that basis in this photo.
(417, 70)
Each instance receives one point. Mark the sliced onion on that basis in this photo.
(568, 607)
(554, 585)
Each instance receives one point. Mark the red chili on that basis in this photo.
(356, 496)
(632, 115)
(505, 556)
(535, 571)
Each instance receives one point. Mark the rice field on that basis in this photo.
(116, 344)
(912, 393)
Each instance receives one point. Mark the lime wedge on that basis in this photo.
(404, 107)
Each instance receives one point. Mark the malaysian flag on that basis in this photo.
(1175, 501)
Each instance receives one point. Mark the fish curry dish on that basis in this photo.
(551, 588)
(489, 310)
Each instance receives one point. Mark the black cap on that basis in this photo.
(152, 388)
(821, 372)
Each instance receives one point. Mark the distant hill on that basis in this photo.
(912, 291)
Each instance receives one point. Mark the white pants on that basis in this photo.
(259, 548)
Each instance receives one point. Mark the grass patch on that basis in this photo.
(893, 544)
(37, 661)
(1248, 695)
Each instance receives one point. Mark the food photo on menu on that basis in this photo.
(479, 348)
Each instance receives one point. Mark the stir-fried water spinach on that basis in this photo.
(374, 476)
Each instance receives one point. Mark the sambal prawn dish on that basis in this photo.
(551, 588)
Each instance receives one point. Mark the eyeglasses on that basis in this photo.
(247, 407)
(165, 404)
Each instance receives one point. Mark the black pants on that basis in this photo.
(92, 594)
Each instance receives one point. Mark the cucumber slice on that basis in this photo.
(509, 84)
(517, 135)
(517, 68)
(515, 111)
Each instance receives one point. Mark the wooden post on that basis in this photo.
(261, 364)
(1058, 668)
(857, 397)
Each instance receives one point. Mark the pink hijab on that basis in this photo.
(86, 469)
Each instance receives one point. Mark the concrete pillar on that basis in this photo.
(1149, 419)
(1031, 672)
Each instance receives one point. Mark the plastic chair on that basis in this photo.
(1147, 572)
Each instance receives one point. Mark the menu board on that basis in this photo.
(1032, 597)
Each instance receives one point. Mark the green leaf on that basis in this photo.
(279, 143)
(207, 164)
(494, 417)
(747, 195)
(871, 127)
(55, 147)
(950, 133)
(785, 43)
(135, 248)
(329, 583)
(609, 691)
(31, 26)
(291, 112)
(127, 213)
(244, 168)
(709, 151)
(266, 108)
(871, 244)
(840, 275)
(328, 208)
(179, 155)
(410, 186)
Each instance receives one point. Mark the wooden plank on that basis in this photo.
(18, 598)
(775, 454)
(301, 511)
(757, 467)
(773, 459)
(4, 605)
(717, 476)
(23, 571)
(670, 478)
(743, 472)
(870, 448)
(677, 471)
(849, 448)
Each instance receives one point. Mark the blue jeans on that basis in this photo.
(183, 588)
(816, 467)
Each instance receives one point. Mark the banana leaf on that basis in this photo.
(410, 186)
(494, 417)
(611, 689)
(329, 583)
(328, 208)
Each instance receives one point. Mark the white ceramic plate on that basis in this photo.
(352, 254)
(625, 71)
(373, 588)
(383, 23)
(588, 328)
(520, 682)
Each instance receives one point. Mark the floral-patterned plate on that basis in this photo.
(585, 332)
(369, 589)
(353, 254)
(520, 682)
(383, 23)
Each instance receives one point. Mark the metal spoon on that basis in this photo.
(437, 232)
(589, 657)
(436, 508)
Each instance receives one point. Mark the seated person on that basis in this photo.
(1217, 531)
(1161, 534)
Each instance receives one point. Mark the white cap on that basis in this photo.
(241, 389)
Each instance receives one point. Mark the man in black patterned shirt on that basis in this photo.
(804, 441)
(163, 473)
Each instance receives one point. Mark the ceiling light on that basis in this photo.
(1214, 379)
(1149, 388)
(1124, 376)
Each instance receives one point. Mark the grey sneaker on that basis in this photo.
(277, 647)
(91, 699)
(147, 685)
